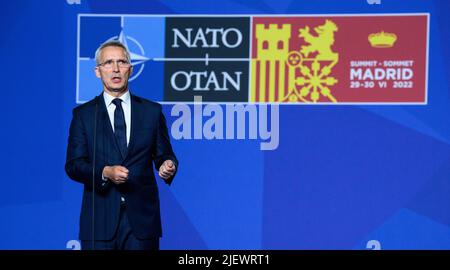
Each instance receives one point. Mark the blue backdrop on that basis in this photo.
(342, 177)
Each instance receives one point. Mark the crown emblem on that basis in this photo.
(382, 39)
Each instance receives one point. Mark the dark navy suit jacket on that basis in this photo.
(149, 144)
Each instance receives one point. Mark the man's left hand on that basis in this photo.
(167, 169)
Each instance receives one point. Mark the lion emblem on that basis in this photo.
(321, 43)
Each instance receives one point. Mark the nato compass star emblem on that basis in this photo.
(136, 53)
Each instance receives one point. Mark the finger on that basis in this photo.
(165, 168)
(169, 172)
(169, 163)
(169, 168)
(173, 168)
(117, 181)
(165, 174)
(123, 169)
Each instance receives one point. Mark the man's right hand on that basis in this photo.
(117, 174)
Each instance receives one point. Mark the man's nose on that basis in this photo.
(116, 67)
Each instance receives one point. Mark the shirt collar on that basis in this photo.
(108, 98)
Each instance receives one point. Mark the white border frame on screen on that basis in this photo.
(425, 102)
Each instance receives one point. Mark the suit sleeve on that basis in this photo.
(78, 164)
(163, 150)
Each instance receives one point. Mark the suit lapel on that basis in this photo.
(109, 133)
(136, 120)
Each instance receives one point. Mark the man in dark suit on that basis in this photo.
(113, 141)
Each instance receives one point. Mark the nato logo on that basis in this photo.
(144, 38)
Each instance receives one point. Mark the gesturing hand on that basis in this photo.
(167, 169)
(117, 174)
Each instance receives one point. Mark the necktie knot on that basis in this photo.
(117, 101)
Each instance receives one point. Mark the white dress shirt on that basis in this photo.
(126, 105)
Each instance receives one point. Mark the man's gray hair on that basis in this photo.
(111, 43)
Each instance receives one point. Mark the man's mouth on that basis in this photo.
(116, 79)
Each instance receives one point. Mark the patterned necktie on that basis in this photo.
(120, 128)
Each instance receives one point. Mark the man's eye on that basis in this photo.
(109, 62)
(121, 62)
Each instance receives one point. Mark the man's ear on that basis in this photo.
(97, 72)
(131, 70)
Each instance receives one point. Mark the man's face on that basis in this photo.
(114, 69)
